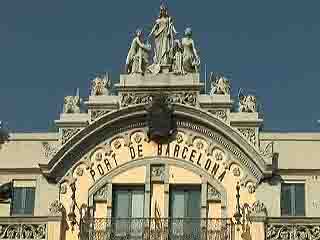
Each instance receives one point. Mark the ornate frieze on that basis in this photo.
(56, 208)
(213, 194)
(220, 114)
(102, 194)
(249, 134)
(10, 231)
(68, 133)
(97, 113)
(278, 231)
(186, 98)
(49, 150)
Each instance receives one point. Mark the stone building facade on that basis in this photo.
(160, 160)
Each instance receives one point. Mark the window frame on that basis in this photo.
(292, 187)
(23, 184)
(130, 190)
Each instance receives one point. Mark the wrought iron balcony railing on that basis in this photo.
(156, 229)
(293, 228)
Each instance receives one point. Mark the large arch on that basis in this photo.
(128, 118)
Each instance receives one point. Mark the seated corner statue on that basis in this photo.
(138, 56)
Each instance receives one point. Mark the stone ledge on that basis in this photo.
(164, 81)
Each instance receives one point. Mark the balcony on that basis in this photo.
(26, 228)
(293, 228)
(157, 229)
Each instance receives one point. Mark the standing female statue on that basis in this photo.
(191, 60)
(163, 32)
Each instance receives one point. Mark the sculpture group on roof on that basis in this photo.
(169, 53)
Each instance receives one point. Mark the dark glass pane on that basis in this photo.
(137, 204)
(121, 211)
(285, 199)
(194, 204)
(29, 201)
(17, 201)
(299, 200)
(177, 204)
(121, 204)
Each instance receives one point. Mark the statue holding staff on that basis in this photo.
(163, 32)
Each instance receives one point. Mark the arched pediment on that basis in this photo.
(189, 119)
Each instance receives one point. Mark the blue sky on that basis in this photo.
(50, 48)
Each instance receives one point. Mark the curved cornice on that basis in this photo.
(135, 117)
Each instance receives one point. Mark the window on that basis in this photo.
(128, 207)
(292, 199)
(23, 198)
(185, 208)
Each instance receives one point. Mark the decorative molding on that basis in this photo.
(101, 194)
(220, 114)
(298, 231)
(185, 98)
(79, 171)
(49, 150)
(219, 84)
(72, 104)
(158, 173)
(23, 231)
(179, 138)
(236, 172)
(258, 208)
(68, 133)
(56, 208)
(117, 144)
(247, 103)
(63, 189)
(266, 150)
(137, 138)
(213, 194)
(249, 134)
(97, 113)
(199, 145)
(218, 156)
(101, 85)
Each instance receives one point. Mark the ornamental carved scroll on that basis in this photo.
(185, 98)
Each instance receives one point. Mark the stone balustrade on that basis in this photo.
(293, 228)
(30, 228)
